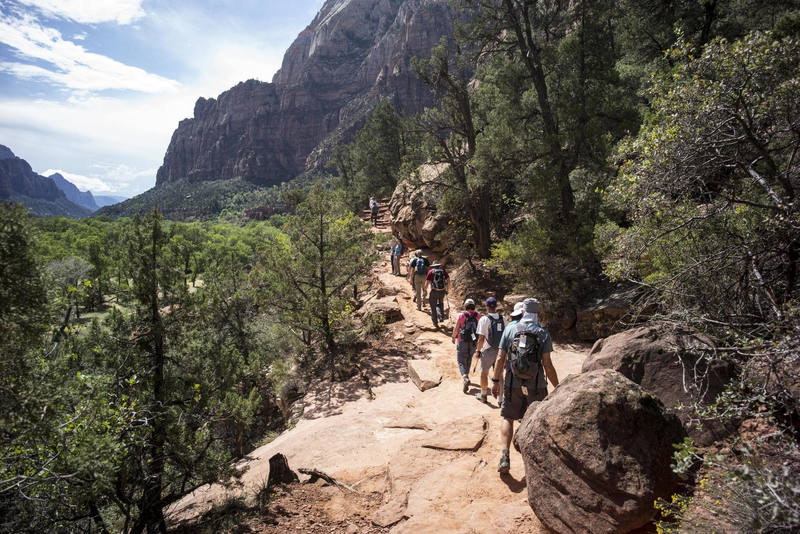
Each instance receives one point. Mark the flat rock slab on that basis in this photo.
(424, 374)
(465, 434)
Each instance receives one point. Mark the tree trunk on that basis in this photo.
(152, 514)
(481, 232)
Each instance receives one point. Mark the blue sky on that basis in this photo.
(94, 88)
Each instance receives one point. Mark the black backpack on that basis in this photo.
(438, 281)
(468, 332)
(420, 265)
(525, 355)
(496, 327)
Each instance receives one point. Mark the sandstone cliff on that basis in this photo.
(353, 53)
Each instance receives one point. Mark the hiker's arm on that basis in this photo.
(455, 333)
(549, 369)
(481, 339)
(499, 365)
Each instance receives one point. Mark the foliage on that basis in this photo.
(308, 273)
(711, 183)
(372, 164)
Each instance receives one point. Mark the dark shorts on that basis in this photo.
(515, 402)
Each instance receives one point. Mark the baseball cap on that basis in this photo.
(491, 302)
(468, 302)
(519, 309)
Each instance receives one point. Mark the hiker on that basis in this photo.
(373, 208)
(490, 331)
(465, 338)
(397, 251)
(437, 282)
(417, 271)
(525, 356)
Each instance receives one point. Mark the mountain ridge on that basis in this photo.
(21, 185)
(73, 194)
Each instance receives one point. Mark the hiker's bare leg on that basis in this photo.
(484, 382)
(506, 432)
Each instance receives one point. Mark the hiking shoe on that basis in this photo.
(466, 384)
(505, 465)
(481, 397)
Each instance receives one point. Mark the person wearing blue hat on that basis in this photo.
(524, 355)
(490, 331)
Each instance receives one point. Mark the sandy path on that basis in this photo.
(384, 444)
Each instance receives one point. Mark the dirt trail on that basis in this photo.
(428, 458)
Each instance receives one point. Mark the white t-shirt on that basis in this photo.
(483, 328)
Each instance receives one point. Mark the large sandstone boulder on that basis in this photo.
(388, 307)
(671, 364)
(597, 454)
(413, 209)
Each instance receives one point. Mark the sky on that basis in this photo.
(93, 89)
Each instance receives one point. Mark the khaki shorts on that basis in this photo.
(488, 357)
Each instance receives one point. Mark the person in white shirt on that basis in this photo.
(490, 331)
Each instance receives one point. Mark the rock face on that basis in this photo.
(602, 317)
(19, 184)
(413, 210)
(352, 54)
(597, 454)
(668, 363)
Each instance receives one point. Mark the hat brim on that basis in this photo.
(516, 314)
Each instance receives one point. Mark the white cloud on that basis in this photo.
(90, 11)
(79, 36)
(72, 66)
(95, 185)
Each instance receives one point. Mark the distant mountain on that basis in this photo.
(108, 200)
(73, 194)
(20, 185)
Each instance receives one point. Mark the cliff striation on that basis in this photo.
(353, 53)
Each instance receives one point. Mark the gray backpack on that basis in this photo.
(525, 355)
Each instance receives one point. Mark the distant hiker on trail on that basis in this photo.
(525, 355)
(437, 281)
(417, 271)
(373, 208)
(397, 251)
(465, 337)
(490, 331)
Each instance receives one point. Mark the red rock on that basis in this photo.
(597, 454)
(668, 363)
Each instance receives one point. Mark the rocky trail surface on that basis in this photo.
(414, 461)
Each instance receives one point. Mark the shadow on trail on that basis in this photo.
(376, 366)
(516, 486)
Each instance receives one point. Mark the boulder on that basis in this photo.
(412, 207)
(597, 454)
(424, 374)
(671, 364)
(386, 306)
